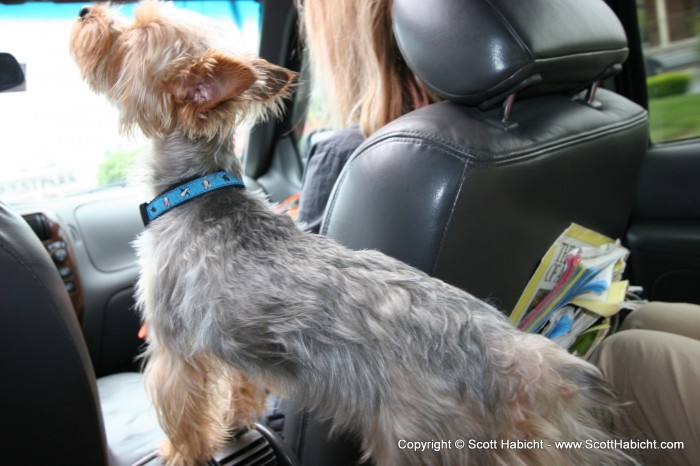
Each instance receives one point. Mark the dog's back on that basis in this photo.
(377, 346)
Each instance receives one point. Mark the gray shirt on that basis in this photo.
(326, 160)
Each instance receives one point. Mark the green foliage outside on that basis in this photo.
(666, 84)
(116, 166)
(673, 114)
(675, 117)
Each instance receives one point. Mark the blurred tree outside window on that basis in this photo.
(670, 33)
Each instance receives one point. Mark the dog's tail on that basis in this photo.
(561, 402)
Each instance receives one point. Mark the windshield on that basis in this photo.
(56, 136)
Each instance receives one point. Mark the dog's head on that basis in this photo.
(164, 74)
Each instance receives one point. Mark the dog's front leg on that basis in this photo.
(191, 407)
(247, 400)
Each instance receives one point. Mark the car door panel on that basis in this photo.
(664, 233)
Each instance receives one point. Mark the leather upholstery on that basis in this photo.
(477, 52)
(447, 192)
(131, 424)
(313, 444)
(51, 411)
(451, 191)
(49, 398)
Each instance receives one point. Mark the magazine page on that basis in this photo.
(575, 290)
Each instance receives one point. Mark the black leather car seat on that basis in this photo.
(455, 192)
(54, 411)
(474, 189)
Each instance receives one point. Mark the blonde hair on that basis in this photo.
(355, 61)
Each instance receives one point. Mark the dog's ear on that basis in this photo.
(275, 81)
(207, 81)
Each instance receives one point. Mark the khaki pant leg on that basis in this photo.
(678, 318)
(659, 374)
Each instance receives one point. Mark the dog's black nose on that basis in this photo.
(84, 11)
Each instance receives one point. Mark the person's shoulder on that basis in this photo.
(342, 142)
(351, 134)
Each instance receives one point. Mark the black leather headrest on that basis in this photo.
(477, 52)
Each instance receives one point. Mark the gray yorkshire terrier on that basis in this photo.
(238, 300)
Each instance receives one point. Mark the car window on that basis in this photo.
(311, 111)
(670, 33)
(56, 136)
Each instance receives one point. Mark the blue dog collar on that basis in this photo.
(187, 191)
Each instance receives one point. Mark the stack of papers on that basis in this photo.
(575, 290)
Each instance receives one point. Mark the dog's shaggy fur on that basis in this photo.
(238, 299)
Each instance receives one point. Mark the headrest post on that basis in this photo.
(590, 95)
(507, 109)
(503, 121)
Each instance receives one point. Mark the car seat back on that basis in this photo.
(474, 189)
